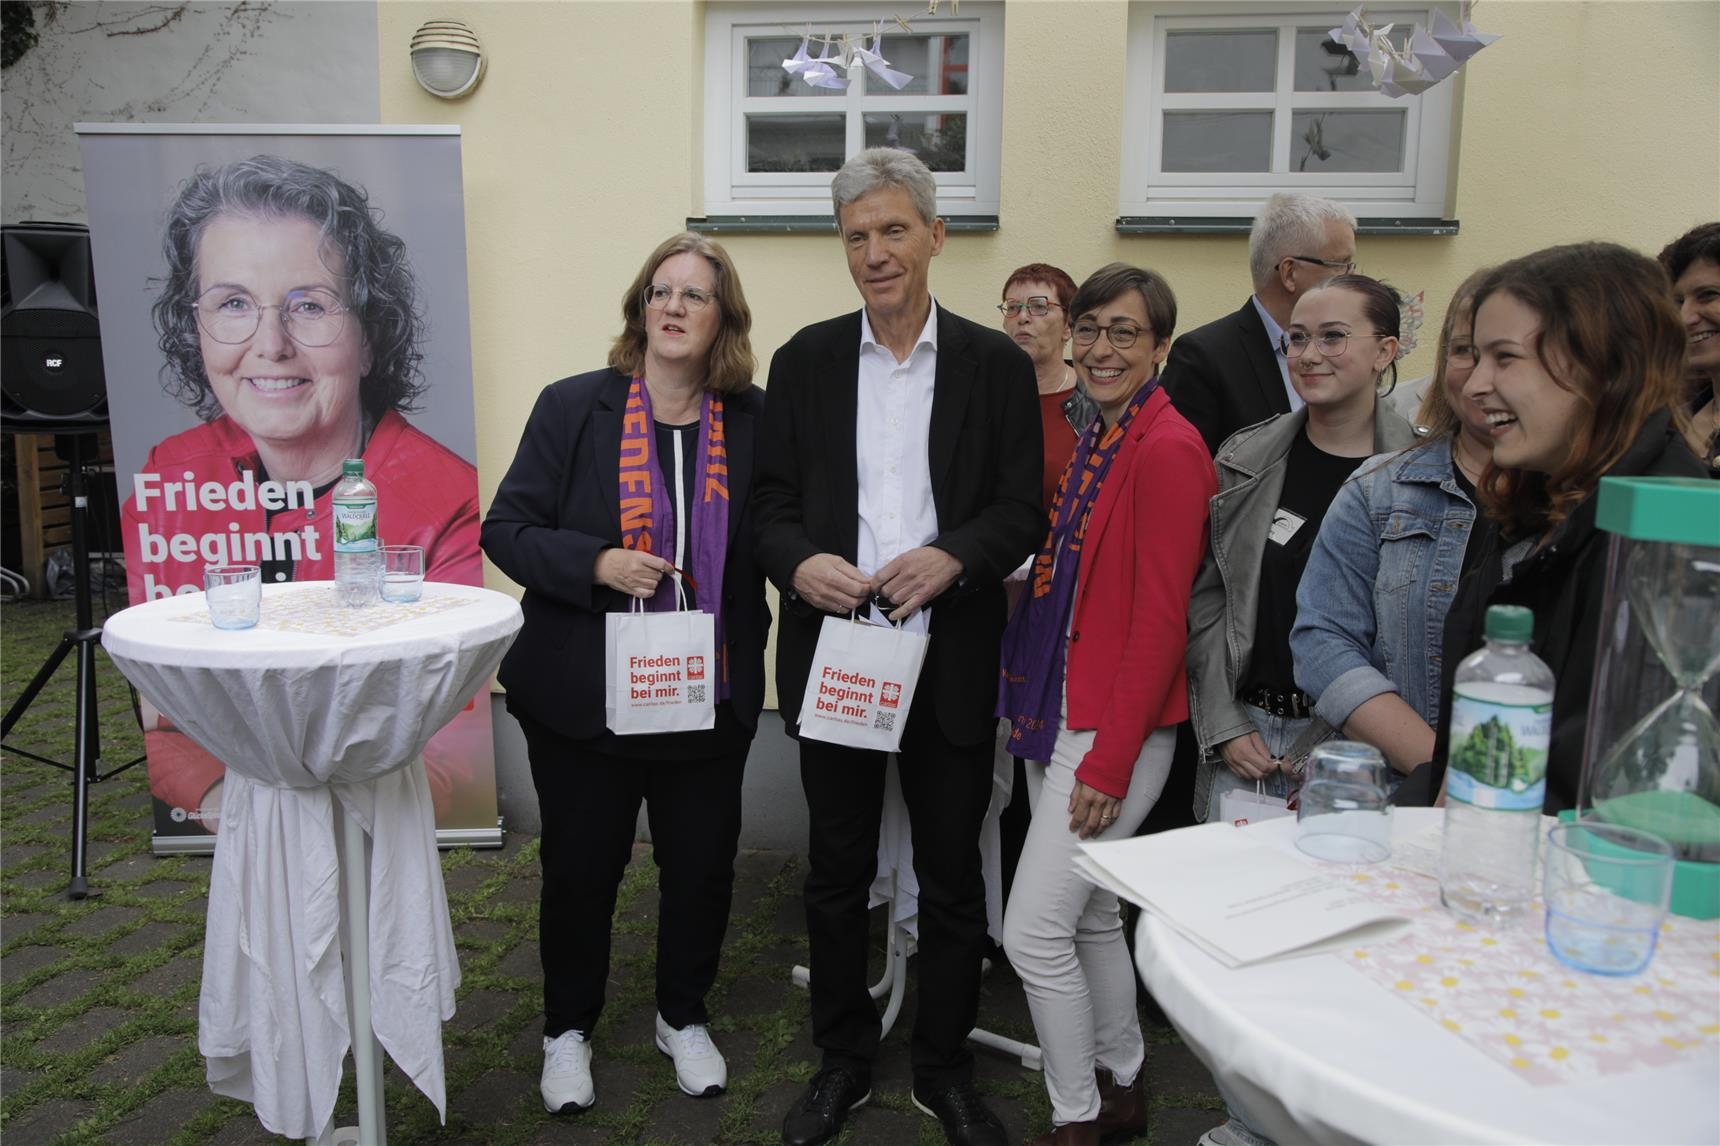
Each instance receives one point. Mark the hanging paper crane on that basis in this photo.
(816, 72)
(1430, 56)
(844, 50)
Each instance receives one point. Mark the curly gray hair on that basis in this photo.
(377, 278)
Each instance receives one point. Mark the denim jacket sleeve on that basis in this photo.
(1335, 631)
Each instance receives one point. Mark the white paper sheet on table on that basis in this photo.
(1239, 901)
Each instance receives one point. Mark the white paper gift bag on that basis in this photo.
(861, 684)
(660, 670)
(1240, 806)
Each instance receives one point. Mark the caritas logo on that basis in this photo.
(695, 668)
(890, 696)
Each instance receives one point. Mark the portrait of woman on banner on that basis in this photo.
(288, 320)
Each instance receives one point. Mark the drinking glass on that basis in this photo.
(1344, 815)
(235, 595)
(1607, 888)
(402, 573)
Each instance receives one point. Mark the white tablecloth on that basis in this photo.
(1318, 1052)
(305, 722)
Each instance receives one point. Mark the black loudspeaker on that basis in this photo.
(50, 341)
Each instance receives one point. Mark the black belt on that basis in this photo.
(1279, 702)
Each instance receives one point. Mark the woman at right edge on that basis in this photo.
(1582, 376)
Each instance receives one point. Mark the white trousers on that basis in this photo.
(1064, 936)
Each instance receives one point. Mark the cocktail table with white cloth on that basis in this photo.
(1443, 1032)
(321, 714)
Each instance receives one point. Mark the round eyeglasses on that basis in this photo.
(313, 317)
(1038, 306)
(658, 295)
(1330, 343)
(1121, 334)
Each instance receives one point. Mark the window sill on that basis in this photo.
(1196, 225)
(811, 224)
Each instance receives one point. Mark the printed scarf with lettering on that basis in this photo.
(1035, 653)
(648, 517)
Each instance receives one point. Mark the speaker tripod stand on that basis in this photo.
(86, 766)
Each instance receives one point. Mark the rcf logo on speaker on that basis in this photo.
(53, 362)
(695, 668)
(890, 695)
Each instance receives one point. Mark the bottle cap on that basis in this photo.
(1510, 623)
(352, 467)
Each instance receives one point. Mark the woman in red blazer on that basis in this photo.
(1093, 685)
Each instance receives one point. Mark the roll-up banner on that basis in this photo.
(273, 300)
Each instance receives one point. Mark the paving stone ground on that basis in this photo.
(98, 998)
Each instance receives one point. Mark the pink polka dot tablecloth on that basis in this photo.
(1504, 992)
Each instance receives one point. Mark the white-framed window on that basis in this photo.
(1229, 103)
(772, 141)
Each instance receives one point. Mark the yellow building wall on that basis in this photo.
(582, 150)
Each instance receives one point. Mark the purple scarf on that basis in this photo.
(645, 503)
(1035, 653)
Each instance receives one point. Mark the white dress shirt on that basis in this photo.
(891, 440)
(1276, 334)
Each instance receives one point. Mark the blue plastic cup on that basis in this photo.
(1607, 888)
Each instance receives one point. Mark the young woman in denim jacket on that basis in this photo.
(1370, 611)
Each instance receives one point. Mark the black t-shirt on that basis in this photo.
(1481, 534)
(1311, 481)
(679, 488)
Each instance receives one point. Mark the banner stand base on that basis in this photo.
(160, 845)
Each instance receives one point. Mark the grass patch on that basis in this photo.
(84, 986)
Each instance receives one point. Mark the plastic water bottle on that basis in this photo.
(357, 552)
(1496, 772)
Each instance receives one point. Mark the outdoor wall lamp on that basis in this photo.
(447, 60)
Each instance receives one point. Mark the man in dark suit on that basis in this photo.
(1229, 373)
(898, 474)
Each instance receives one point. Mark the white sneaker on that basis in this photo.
(699, 1067)
(1232, 1133)
(566, 1079)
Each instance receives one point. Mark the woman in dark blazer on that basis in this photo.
(624, 477)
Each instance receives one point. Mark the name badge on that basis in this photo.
(1284, 526)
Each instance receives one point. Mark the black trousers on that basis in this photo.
(589, 802)
(947, 789)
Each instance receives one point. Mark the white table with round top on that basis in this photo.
(1324, 1049)
(328, 921)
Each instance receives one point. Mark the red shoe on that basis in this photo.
(1070, 1134)
(1122, 1109)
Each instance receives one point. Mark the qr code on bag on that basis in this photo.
(695, 694)
(884, 722)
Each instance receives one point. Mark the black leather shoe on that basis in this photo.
(966, 1119)
(820, 1112)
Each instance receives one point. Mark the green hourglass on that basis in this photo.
(1651, 758)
